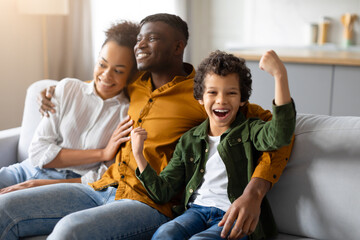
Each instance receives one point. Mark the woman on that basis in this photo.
(79, 141)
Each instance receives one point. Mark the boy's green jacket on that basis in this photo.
(239, 149)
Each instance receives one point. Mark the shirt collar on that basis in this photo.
(90, 90)
(189, 69)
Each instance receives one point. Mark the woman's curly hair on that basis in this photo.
(124, 33)
(223, 64)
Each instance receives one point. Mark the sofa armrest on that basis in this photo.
(31, 116)
(9, 140)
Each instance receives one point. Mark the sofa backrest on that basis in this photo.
(31, 116)
(318, 194)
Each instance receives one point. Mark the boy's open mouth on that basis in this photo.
(221, 112)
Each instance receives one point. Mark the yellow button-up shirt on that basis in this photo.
(166, 113)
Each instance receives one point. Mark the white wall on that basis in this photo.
(103, 15)
(213, 24)
(225, 24)
(284, 22)
(20, 62)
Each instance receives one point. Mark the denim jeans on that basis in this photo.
(21, 172)
(75, 211)
(197, 222)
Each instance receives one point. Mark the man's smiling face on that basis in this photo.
(156, 43)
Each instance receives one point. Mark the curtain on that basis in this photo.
(70, 43)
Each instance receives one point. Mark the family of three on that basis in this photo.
(193, 154)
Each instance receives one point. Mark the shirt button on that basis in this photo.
(118, 164)
(124, 162)
(191, 159)
(139, 120)
(150, 100)
(239, 139)
(191, 191)
(202, 170)
(274, 176)
(122, 176)
(206, 150)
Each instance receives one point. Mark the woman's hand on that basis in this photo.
(36, 183)
(119, 136)
(44, 100)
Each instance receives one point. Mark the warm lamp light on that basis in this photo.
(44, 7)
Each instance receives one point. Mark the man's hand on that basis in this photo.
(245, 210)
(120, 135)
(44, 100)
(138, 136)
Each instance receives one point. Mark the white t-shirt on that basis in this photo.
(83, 120)
(213, 190)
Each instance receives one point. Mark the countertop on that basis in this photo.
(304, 55)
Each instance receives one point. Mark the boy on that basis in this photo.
(214, 161)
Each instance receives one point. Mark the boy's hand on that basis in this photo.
(138, 136)
(44, 100)
(271, 63)
(119, 136)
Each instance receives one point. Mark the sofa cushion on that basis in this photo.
(31, 116)
(317, 195)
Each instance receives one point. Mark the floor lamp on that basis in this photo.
(44, 8)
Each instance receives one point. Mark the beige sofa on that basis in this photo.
(317, 197)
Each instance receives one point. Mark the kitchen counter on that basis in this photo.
(306, 56)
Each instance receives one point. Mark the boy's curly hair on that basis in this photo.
(222, 64)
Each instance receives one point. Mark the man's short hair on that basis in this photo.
(174, 21)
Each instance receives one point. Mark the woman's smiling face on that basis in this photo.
(113, 69)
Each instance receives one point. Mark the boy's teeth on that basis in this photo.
(221, 111)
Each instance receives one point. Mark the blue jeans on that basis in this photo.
(21, 172)
(197, 222)
(75, 211)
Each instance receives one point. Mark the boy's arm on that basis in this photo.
(246, 209)
(138, 136)
(270, 165)
(271, 63)
(163, 187)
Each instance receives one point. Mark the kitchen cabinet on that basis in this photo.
(310, 87)
(321, 81)
(346, 94)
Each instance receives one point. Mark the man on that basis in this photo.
(161, 101)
